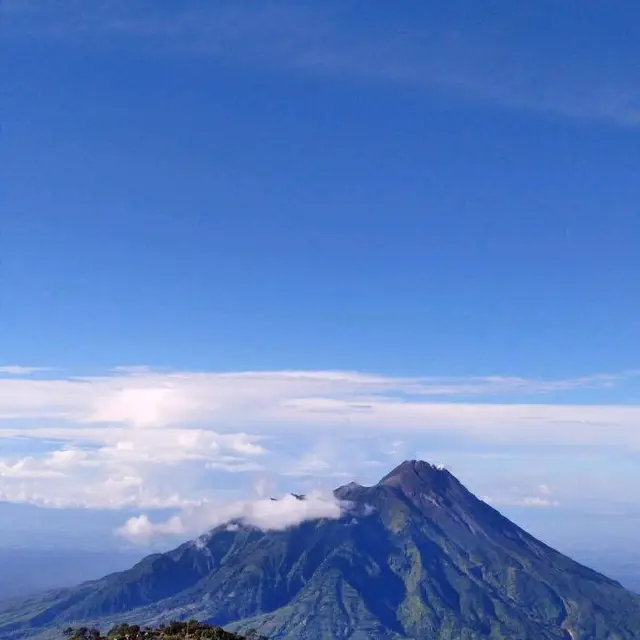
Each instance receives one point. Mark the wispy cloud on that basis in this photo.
(542, 497)
(534, 502)
(20, 370)
(146, 399)
(505, 60)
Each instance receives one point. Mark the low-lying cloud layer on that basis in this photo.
(264, 513)
(145, 439)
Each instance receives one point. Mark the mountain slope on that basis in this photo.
(415, 556)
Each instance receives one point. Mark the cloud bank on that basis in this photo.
(138, 438)
(265, 514)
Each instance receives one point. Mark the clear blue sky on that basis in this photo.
(286, 218)
(402, 189)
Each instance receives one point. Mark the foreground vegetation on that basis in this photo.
(191, 630)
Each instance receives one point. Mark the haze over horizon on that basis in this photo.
(250, 249)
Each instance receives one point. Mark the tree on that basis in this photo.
(174, 630)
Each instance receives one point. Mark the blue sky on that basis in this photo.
(282, 245)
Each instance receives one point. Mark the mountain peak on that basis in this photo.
(426, 485)
(432, 561)
(412, 473)
(414, 478)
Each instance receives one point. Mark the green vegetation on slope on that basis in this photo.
(416, 557)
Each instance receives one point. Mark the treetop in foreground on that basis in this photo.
(176, 630)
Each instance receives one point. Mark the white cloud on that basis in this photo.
(310, 464)
(122, 467)
(138, 437)
(20, 370)
(27, 468)
(227, 401)
(515, 498)
(263, 486)
(289, 511)
(320, 470)
(265, 514)
(235, 465)
(537, 501)
(140, 528)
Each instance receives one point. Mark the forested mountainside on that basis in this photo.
(414, 556)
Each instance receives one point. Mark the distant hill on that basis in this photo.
(26, 571)
(414, 556)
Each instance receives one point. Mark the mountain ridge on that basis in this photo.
(414, 556)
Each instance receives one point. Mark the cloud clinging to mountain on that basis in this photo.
(265, 514)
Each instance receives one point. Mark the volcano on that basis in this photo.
(416, 555)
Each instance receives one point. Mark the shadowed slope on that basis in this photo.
(414, 556)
